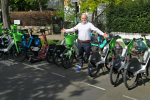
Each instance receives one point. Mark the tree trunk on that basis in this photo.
(40, 5)
(5, 13)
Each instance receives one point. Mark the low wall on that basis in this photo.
(36, 29)
(130, 35)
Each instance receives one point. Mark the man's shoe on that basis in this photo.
(90, 70)
(78, 69)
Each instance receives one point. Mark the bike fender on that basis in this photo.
(116, 63)
(95, 57)
(133, 65)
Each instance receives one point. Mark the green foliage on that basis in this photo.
(51, 42)
(26, 5)
(132, 17)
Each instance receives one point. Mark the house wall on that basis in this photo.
(54, 3)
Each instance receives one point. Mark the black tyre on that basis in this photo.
(49, 56)
(129, 79)
(57, 59)
(114, 75)
(92, 69)
(67, 58)
(109, 59)
(76, 56)
(21, 54)
(32, 47)
(148, 69)
(1, 54)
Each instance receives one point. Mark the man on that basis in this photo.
(84, 35)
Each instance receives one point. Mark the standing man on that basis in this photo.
(84, 35)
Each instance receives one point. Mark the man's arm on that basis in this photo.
(98, 31)
(70, 30)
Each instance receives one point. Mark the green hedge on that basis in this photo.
(50, 42)
(133, 17)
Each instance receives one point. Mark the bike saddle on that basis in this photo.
(143, 35)
(55, 40)
(126, 41)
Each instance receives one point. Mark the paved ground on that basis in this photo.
(45, 81)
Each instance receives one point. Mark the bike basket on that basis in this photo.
(70, 39)
(27, 35)
(35, 36)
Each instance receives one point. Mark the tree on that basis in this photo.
(40, 5)
(5, 13)
(26, 5)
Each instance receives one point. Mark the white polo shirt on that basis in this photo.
(84, 30)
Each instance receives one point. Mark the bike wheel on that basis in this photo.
(129, 79)
(92, 69)
(57, 59)
(148, 69)
(67, 58)
(1, 54)
(114, 75)
(21, 54)
(32, 47)
(49, 56)
(76, 56)
(109, 59)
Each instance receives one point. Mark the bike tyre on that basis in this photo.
(126, 74)
(65, 58)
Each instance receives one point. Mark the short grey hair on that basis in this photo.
(84, 14)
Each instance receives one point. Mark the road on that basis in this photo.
(45, 81)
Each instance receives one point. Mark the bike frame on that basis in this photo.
(125, 52)
(143, 66)
(24, 42)
(10, 44)
(107, 48)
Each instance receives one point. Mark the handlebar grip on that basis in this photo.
(65, 34)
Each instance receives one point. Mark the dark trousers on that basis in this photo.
(83, 47)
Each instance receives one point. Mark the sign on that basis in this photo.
(16, 21)
(74, 0)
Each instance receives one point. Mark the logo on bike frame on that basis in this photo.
(37, 42)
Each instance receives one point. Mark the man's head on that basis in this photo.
(83, 18)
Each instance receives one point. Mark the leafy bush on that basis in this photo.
(51, 42)
(129, 17)
(34, 18)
